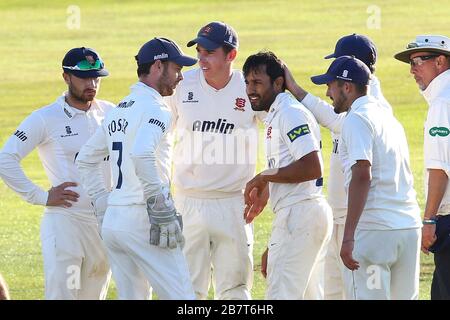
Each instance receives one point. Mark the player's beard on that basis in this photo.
(83, 97)
(340, 103)
(166, 85)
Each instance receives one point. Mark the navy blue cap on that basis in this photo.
(84, 63)
(356, 45)
(165, 50)
(345, 68)
(214, 35)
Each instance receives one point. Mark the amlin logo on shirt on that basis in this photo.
(439, 131)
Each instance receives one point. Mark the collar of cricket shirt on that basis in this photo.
(145, 89)
(361, 101)
(277, 104)
(436, 86)
(70, 111)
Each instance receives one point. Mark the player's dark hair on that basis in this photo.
(274, 66)
(144, 69)
(227, 49)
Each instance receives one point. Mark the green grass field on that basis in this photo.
(35, 37)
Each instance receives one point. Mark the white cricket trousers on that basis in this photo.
(297, 250)
(75, 261)
(136, 264)
(388, 265)
(334, 267)
(219, 245)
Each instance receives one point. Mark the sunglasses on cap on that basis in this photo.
(419, 60)
(90, 63)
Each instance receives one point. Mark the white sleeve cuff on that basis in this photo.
(435, 164)
(40, 198)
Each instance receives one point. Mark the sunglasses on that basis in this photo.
(85, 65)
(88, 64)
(419, 60)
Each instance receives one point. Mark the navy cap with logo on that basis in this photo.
(165, 50)
(84, 63)
(345, 68)
(356, 45)
(214, 35)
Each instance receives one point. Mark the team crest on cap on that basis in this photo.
(206, 30)
(240, 104)
(90, 59)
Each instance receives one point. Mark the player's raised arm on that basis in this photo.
(322, 111)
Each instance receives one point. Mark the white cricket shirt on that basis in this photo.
(217, 137)
(436, 132)
(291, 133)
(58, 131)
(138, 128)
(325, 115)
(372, 133)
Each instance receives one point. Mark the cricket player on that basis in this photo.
(429, 59)
(215, 154)
(381, 241)
(141, 228)
(75, 261)
(303, 219)
(365, 50)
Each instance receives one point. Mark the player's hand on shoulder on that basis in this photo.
(60, 196)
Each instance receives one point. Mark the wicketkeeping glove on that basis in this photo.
(166, 224)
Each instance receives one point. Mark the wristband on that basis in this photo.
(429, 221)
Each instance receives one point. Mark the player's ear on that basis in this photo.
(348, 86)
(278, 84)
(157, 68)
(232, 55)
(66, 78)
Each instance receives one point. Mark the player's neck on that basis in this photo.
(220, 80)
(77, 104)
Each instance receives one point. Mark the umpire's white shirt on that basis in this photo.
(372, 133)
(325, 115)
(217, 136)
(291, 133)
(138, 128)
(58, 131)
(436, 132)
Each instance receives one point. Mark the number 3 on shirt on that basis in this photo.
(118, 146)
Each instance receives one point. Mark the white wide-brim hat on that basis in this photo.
(425, 43)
